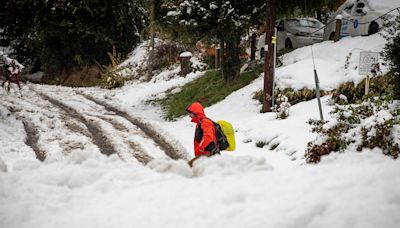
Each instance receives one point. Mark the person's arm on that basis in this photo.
(208, 134)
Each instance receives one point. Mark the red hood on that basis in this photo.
(198, 110)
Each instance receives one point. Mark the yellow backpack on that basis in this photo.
(225, 132)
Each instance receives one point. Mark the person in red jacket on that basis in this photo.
(205, 142)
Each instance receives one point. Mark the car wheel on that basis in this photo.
(262, 53)
(332, 36)
(288, 44)
(373, 28)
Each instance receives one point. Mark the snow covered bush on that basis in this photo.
(392, 50)
(113, 80)
(113, 77)
(381, 86)
(294, 96)
(281, 108)
(372, 124)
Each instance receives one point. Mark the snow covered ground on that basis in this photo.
(78, 186)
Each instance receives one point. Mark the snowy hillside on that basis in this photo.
(145, 180)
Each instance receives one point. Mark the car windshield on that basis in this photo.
(304, 23)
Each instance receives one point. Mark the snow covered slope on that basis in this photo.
(78, 186)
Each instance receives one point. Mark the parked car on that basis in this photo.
(294, 33)
(360, 17)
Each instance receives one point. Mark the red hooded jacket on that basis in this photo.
(205, 142)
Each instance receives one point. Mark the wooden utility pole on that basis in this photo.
(269, 56)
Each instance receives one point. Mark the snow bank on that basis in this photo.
(297, 71)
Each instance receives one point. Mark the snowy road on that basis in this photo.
(79, 185)
(85, 121)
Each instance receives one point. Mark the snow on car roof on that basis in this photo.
(384, 5)
(381, 5)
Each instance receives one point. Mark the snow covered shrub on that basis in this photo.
(281, 108)
(380, 86)
(294, 96)
(392, 50)
(372, 124)
(113, 80)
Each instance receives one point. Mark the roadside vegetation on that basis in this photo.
(359, 121)
(208, 89)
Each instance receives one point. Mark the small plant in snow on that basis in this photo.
(282, 107)
(260, 144)
(347, 63)
(113, 80)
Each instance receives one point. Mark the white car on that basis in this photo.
(361, 17)
(294, 33)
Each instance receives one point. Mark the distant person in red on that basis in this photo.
(14, 69)
(205, 142)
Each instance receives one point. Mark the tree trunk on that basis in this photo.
(222, 45)
(253, 47)
(269, 56)
(231, 64)
(152, 37)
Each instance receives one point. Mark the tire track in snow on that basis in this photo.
(169, 149)
(100, 140)
(137, 151)
(32, 138)
(44, 128)
(116, 139)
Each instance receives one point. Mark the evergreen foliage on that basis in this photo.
(218, 21)
(63, 35)
(392, 50)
